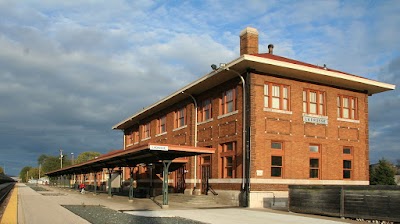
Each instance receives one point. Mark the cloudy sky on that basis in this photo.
(70, 71)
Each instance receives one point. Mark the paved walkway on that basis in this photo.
(234, 216)
(46, 207)
(34, 208)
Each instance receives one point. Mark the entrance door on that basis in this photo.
(205, 173)
(180, 180)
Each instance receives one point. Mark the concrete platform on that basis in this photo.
(36, 207)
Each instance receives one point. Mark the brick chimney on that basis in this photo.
(249, 41)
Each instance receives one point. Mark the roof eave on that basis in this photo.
(185, 89)
(292, 70)
(370, 86)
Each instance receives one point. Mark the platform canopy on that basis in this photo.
(145, 154)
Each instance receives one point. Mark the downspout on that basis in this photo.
(248, 145)
(195, 139)
(244, 179)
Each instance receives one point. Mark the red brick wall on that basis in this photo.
(267, 126)
(298, 135)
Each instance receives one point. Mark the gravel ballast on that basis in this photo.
(98, 214)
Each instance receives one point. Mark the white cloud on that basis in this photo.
(70, 70)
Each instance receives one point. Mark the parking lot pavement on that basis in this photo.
(235, 216)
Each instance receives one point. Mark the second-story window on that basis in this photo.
(136, 136)
(276, 96)
(205, 112)
(129, 138)
(314, 102)
(228, 101)
(146, 131)
(180, 117)
(162, 125)
(347, 107)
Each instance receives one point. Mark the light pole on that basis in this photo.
(72, 158)
(61, 158)
(195, 138)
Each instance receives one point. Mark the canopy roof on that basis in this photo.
(150, 153)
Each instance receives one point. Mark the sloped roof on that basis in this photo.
(263, 63)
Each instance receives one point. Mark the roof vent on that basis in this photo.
(270, 48)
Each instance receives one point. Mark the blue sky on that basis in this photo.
(70, 71)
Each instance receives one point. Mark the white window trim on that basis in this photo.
(206, 121)
(315, 115)
(161, 134)
(267, 109)
(145, 139)
(177, 129)
(348, 120)
(228, 114)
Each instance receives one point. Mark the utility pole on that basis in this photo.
(61, 157)
(40, 167)
(72, 156)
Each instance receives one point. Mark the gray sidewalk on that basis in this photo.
(34, 208)
(235, 216)
(46, 207)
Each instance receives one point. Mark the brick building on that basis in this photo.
(273, 121)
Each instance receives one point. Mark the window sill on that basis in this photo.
(129, 145)
(203, 122)
(277, 111)
(315, 115)
(145, 139)
(349, 120)
(177, 129)
(161, 134)
(228, 114)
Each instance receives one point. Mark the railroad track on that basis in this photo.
(5, 189)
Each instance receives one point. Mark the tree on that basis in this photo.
(50, 163)
(1, 170)
(22, 174)
(33, 173)
(86, 156)
(382, 174)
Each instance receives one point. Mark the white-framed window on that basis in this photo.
(277, 96)
(146, 130)
(205, 110)
(314, 102)
(228, 101)
(162, 124)
(347, 107)
(180, 117)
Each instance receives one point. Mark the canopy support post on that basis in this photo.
(166, 164)
(109, 182)
(95, 182)
(131, 184)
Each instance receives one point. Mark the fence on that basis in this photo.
(365, 202)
